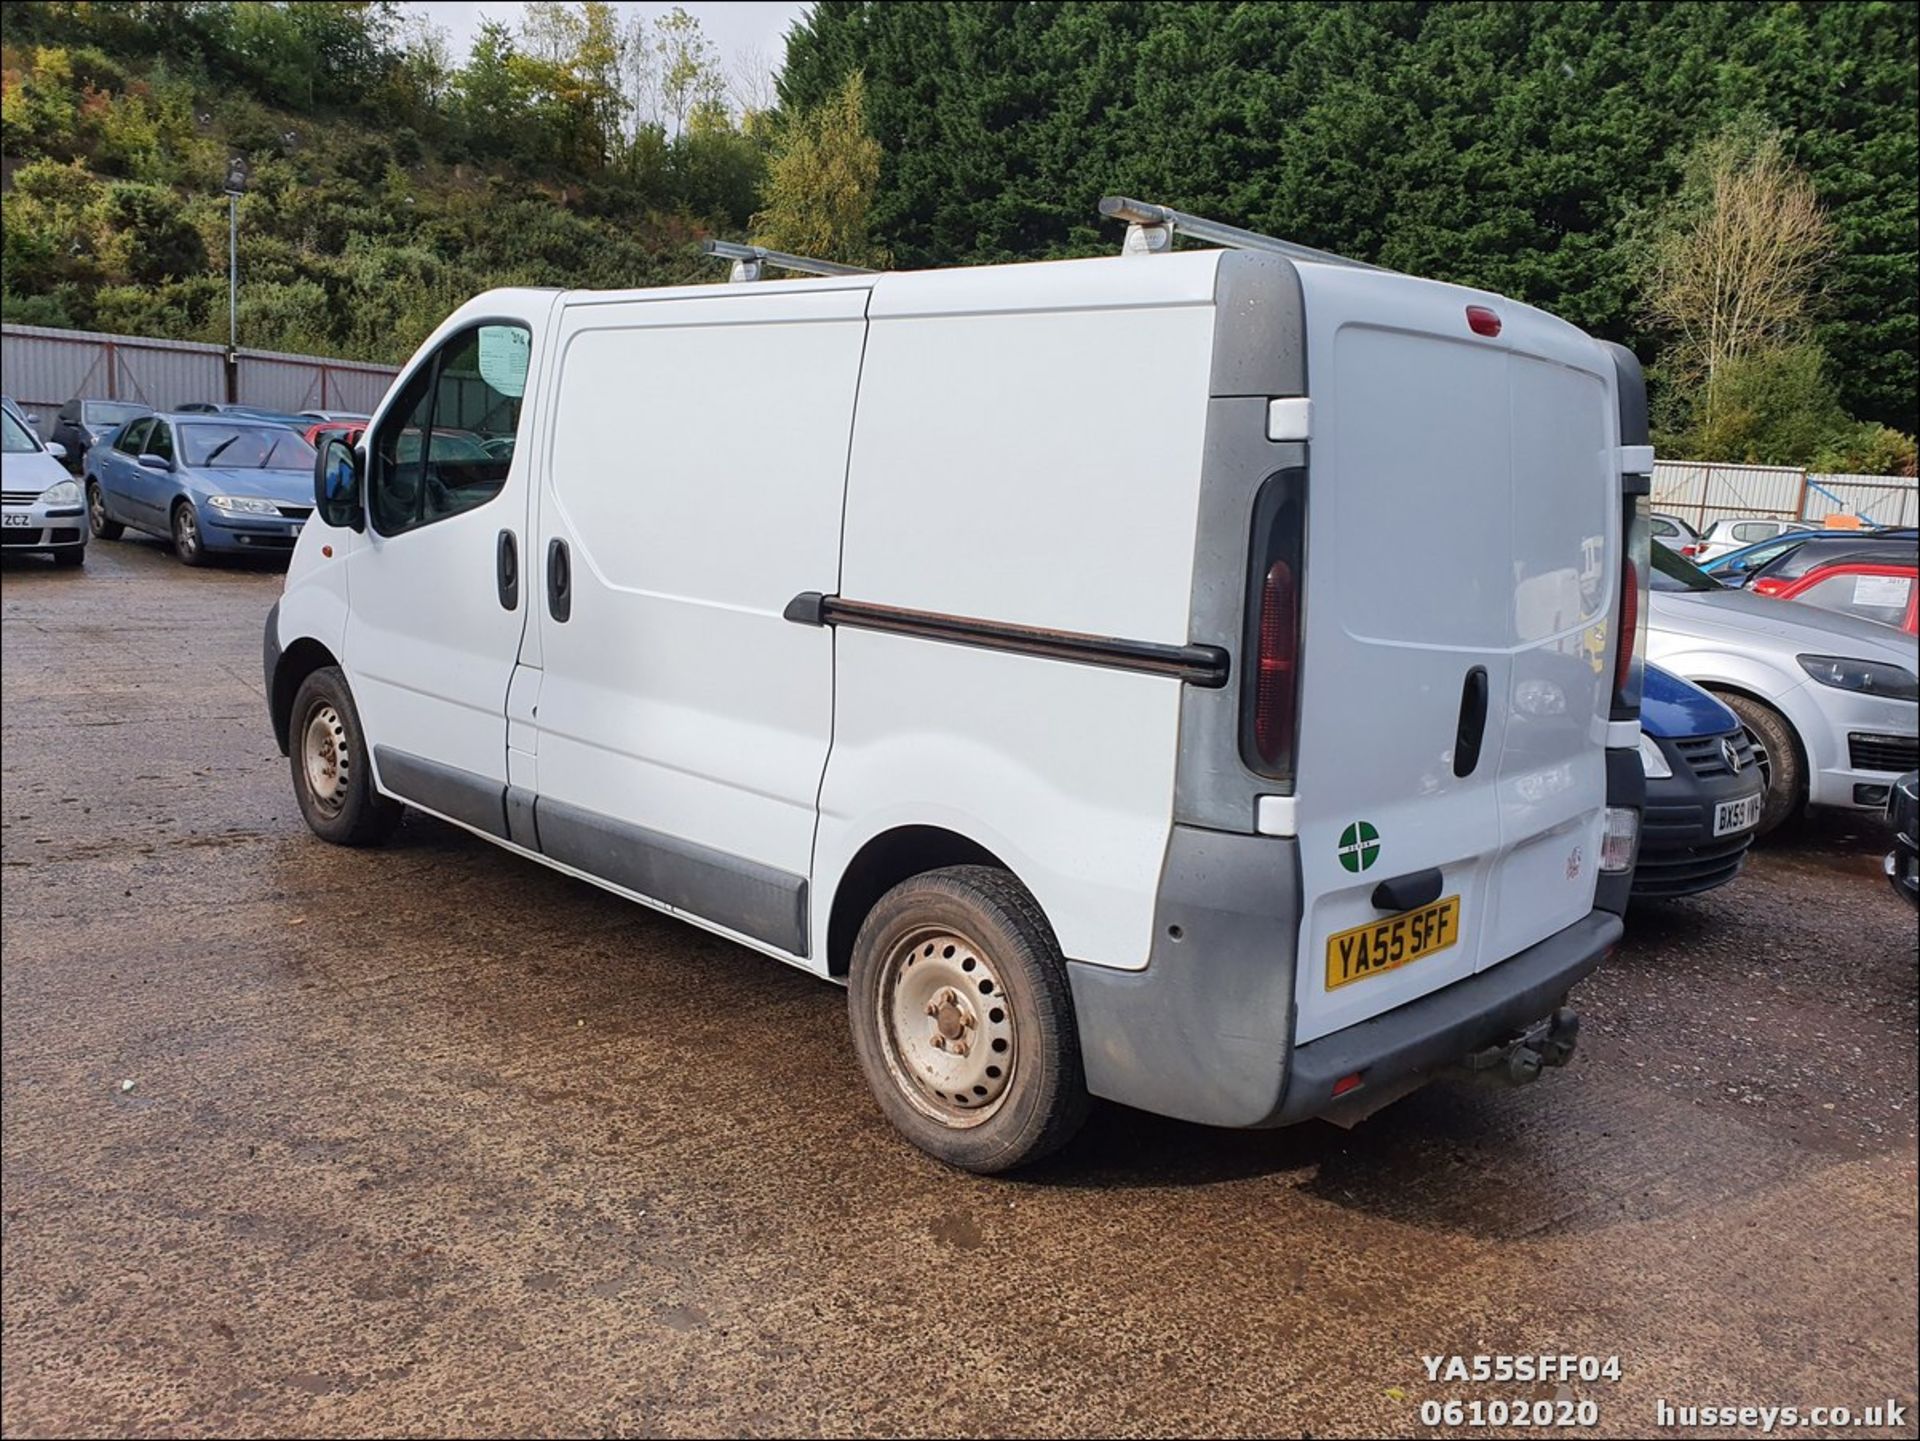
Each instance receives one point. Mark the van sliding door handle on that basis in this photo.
(1473, 722)
(507, 565)
(559, 580)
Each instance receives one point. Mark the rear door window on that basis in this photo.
(1871, 597)
(132, 437)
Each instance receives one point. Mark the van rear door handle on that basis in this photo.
(507, 562)
(559, 580)
(1473, 722)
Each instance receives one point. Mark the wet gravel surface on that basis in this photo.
(428, 1139)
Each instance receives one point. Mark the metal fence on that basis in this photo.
(43, 368)
(1701, 492)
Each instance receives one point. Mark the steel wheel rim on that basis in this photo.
(326, 759)
(946, 1027)
(186, 531)
(96, 509)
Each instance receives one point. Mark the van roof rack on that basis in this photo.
(1150, 230)
(749, 261)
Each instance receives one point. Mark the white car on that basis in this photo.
(1831, 700)
(1671, 530)
(40, 504)
(1730, 534)
(1030, 696)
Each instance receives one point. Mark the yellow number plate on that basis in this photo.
(1386, 945)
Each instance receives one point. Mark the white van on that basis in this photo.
(1185, 678)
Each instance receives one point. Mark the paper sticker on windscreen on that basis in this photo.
(1890, 591)
(503, 358)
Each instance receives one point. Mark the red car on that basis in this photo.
(1877, 588)
(348, 430)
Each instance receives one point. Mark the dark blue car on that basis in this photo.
(1705, 785)
(209, 483)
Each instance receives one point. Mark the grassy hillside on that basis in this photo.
(386, 185)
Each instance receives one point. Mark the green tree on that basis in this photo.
(820, 181)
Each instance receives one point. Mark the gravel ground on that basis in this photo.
(428, 1139)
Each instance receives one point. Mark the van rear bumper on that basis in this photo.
(1205, 1032)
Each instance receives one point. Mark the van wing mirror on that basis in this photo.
(336, 485)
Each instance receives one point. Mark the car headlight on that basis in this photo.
(1869, 677)
(65, 492)
(1653, 760)
(243, 505)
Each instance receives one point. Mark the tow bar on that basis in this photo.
(1518, 1059)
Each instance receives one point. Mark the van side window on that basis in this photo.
(432, 457)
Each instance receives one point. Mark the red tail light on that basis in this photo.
(1691, 550)
(1629, 623)
(1482, 321)
(1278, 662)
(1768, 585)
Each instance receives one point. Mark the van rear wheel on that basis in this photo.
(963, 1020)
(332, 772)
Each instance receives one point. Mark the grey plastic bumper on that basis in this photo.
(1205, 1032)
(270, 659)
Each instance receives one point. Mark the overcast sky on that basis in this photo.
(736, 27)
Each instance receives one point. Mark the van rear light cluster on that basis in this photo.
(1629, 623)
(1619, 840)
(1274, 691)
(1630, 612)
(1270, 670)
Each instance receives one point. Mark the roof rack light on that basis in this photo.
(750, 261)
(1151, 228)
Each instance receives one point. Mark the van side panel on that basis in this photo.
(696, 472)
(1027, 449)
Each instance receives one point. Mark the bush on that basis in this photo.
(1868, 449)
(1774, 407)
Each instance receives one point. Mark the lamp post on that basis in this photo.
(236, 186)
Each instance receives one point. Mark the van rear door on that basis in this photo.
(1462, 549)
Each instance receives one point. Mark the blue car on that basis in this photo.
(212, 484)
(1706, 782)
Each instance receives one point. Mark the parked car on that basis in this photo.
(1737, 567)
(27, 422)
(348, 415)
(209, 483)
(1873, 581)
(348, 430)
(1903, 815)
(1831, 701)
(80, 423)
(39, 502)
(244, 412)
(1036, 802)
(1730, 533)
(1671, 530)
(1705, 790)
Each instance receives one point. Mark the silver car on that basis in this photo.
(40, 504)
(1831, 701)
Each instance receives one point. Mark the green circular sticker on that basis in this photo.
(1359, 846)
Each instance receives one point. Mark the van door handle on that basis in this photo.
(507, 561)
(1408, 892)
(559, 580)
(1473, 722)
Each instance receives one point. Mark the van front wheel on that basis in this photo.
(963, 1020)
(332, 773)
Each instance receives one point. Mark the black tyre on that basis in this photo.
(188, 544)
(963, 1020)
(332, 772)
(1781, 762)
(70, 558)
(103, 526)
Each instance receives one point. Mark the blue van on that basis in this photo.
(1705, 784)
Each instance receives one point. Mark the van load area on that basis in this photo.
(1204, 679)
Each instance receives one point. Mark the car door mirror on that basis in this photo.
(150, 461)
(56, 450)
(336, 485)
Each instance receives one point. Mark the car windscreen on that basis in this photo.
(18, 440)
(244, 447)
(111, 412)
(1673, 571)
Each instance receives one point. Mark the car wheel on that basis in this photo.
(332, 771)
(68, 559)
(188, 544)
(963, 1020)
(1780, 759)
(103, 526)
